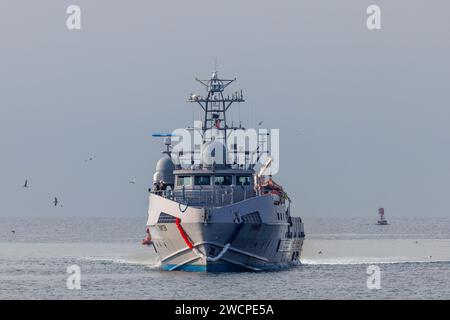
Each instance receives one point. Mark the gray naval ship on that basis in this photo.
(216, 214)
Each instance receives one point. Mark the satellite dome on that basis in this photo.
(164, 171)
(165, 164)
(157, 176)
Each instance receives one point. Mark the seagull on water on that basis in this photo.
(132, 181)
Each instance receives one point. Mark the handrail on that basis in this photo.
(208, 198)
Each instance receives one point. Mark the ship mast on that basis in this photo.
(215, 104)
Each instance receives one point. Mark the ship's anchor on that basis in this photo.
(224, 249)
(188, 241)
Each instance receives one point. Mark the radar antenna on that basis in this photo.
(215, 104)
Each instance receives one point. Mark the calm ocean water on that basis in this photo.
(412, 254)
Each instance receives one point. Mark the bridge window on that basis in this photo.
(243, 180)
(184, 180)
(223, 180)
(202, 180)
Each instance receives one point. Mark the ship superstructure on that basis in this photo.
(212, 207)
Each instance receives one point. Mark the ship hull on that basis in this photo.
(221, 247)
(195, 239)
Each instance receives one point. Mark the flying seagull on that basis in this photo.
(89, 159)
(56, 202)
(260, 123)
(25, 185)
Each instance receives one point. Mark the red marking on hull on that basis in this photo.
(183, 233)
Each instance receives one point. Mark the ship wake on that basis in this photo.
(373, 251)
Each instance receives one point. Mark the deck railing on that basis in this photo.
(216, 197)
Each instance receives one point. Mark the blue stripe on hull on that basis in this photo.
(223, 267)
(200, 268)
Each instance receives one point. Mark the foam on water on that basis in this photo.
(368, 251)
(147, 259)
(358, 251)
(414, 260)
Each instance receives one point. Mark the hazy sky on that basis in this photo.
(372, 107)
